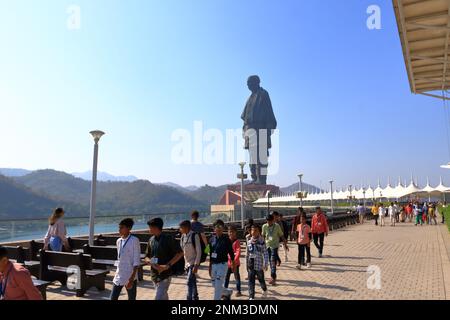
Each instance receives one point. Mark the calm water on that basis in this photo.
(17, 230)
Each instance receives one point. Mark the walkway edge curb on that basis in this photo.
(444, 241)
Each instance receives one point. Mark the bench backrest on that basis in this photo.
(77, 243)
(144, 246)
(16, 253)
(100, 252)
(33, 250)
(143, 237)
(65, 259)
(107, 240)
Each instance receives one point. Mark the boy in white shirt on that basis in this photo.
(129, 260)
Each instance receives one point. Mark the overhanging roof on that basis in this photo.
(424, 28)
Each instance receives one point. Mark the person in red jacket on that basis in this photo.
(232, 233)
(319, 229)
(15, 280)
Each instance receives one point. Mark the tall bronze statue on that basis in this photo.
(259, 123)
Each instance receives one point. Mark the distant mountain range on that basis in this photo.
(135, 197)
(25, 193)
(13, 172)
(295, 187)
(17, 200)
(103, 176)
(177, 186)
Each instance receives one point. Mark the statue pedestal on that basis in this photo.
(253, 192)
(230, 202)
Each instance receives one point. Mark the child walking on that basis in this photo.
(304, 243)
(232, 233)
(257, 261)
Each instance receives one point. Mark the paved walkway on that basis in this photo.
(413, 262)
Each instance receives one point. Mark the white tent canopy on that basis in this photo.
(388, 192)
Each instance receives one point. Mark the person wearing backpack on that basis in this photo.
(191, 245)
(162, 253)
(198, 227)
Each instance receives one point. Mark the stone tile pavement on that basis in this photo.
(413, 263)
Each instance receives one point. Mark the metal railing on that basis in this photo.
(35, 229)
(12, 230)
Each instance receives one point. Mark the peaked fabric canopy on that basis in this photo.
(424, 28)
(389, 192)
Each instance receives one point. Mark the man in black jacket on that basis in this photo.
(163, 251)
(221, 247)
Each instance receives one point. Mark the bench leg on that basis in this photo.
(141, 273)
(98, 282)
(43, 291)
(80, 293)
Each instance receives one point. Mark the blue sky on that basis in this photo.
(140, 70)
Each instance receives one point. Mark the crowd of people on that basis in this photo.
(164, 253)
(261, 251)
(414, 212)
(262, 246)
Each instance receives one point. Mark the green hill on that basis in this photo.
(208, 194)
(19, 201)
(112, 197)
(57, 185)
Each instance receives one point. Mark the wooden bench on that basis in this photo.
(104, 257)
(20, 255)
(42, 287)
(33, 250)
(107, 240)
(144, 246)
(55, 267)
(76, 243)
(110, 240)
(143, 237)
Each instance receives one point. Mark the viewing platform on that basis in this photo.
(413, 263)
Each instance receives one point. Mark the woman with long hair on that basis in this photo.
(56, 235)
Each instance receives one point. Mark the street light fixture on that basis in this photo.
(446, 166)
(300, 176)
(331, 198)
(97, 134)
(350, 190)
(268, 202)
(242, 177)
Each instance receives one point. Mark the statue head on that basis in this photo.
(253, 83)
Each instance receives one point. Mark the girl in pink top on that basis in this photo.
(232, 233)
(56, 235)
(304, 242)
